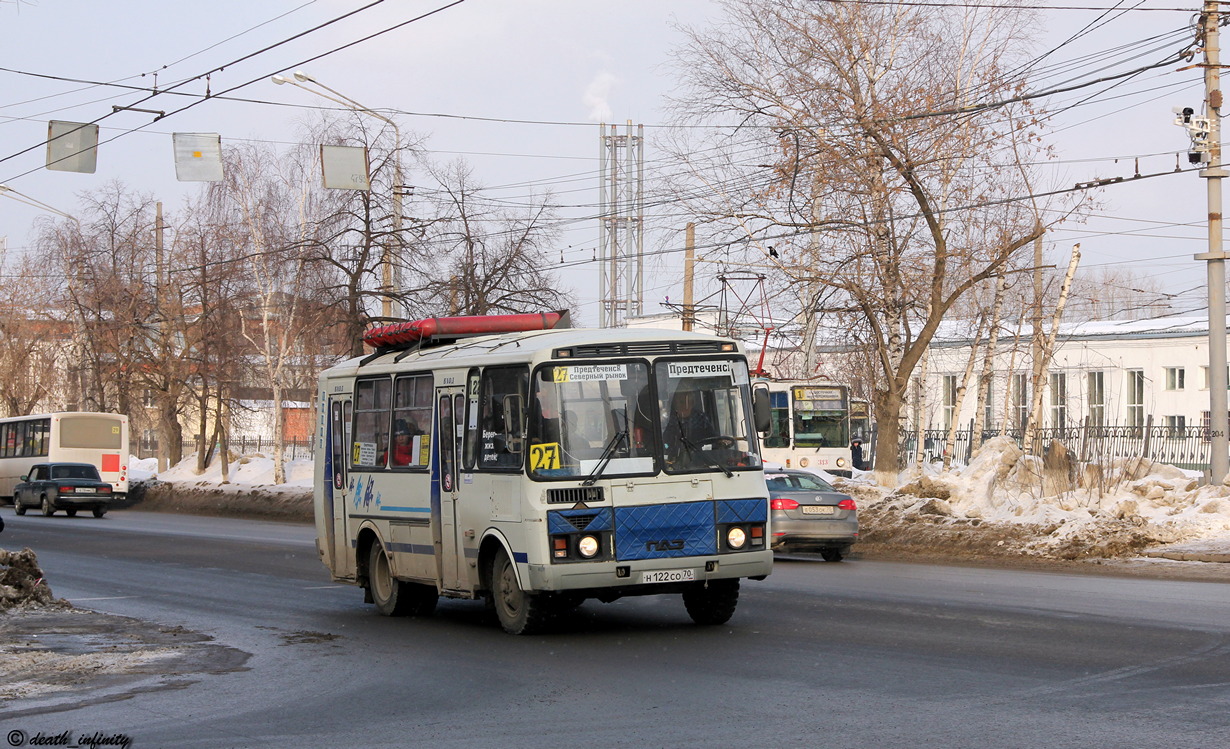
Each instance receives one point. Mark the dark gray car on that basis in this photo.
(62, 486)
(810, 515)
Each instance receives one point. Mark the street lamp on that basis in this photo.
(300, 78)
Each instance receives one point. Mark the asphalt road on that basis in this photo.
(862, 653)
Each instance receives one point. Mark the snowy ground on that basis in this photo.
(1055, 508)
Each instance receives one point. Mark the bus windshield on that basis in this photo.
(583, 413)
(821, 417)
(704, 416)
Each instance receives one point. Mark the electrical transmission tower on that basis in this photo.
(621, 224)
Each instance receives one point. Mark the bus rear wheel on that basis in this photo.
(71, 513)
(48, 509)
(520, 613)
(392, 596)
(713, 601)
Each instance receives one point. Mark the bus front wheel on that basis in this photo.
(520, 613)
(392, 596)
(713, 601)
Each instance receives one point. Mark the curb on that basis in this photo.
(1189, 556)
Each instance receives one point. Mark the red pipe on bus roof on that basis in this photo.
(404, 333)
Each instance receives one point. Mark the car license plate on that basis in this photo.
(85, 490)
(668, 576)
(819, 510)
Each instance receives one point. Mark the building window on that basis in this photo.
(1095, 383)
(1176, 426)
(1059, 400)
(1206, 425)
(1175, 377)
(147, 398)
(950, 400)
(1135, 398)
(1020, 400)
(1204, 377)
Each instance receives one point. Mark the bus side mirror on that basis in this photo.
(512, 415)
(760, 409)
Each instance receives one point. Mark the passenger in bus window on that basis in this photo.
(403, 442)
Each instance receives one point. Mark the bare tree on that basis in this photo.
(278, 233)
(30, 335)
(859, 144)
(479, 258)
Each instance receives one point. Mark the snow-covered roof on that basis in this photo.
(959, 334)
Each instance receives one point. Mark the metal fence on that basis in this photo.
(1183, 447)
(300, 449)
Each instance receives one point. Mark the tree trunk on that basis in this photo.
(279, 469)
(950, 444)
(988, 365)
(1044, 348)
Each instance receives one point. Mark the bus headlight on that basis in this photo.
(736, 537)
(588, 547)
(803, 462)
(841, 462)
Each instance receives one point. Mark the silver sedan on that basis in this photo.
(810, 515)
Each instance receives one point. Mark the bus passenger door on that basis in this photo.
(450, 550)
(337, 492)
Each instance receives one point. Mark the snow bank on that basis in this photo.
(1130, 503)
(251, 470)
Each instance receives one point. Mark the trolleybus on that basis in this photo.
(515, 459)
(77, 436)
(809, 426)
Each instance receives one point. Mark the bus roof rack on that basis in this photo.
(438, 331)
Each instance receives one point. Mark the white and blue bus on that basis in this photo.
(100, 439)
(516, 459)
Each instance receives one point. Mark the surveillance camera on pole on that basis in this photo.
(1198, 129)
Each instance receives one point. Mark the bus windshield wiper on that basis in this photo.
(704, 454)
(605, 457)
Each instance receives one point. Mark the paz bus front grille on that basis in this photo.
(575, 495)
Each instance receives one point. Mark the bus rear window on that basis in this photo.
(91, 432)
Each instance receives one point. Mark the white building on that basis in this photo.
(1111, 373)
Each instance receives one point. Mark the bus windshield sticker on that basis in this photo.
(699, 369)
(364, 454)
(545, 457)
(591, 373)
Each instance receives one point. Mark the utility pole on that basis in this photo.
(159, 291)
(1219, 419)
(688, 317)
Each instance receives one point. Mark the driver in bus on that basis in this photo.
(688, 427)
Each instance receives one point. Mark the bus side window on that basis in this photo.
(500, 439)
(373, 403)
(779, 416)
(469, 433)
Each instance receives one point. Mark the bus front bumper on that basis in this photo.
(648, 575)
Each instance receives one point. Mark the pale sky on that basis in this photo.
(560, 66)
